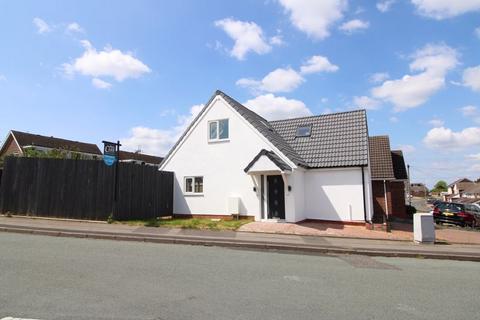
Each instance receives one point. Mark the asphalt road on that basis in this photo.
(64, 278)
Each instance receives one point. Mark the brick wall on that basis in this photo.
(379, 200)
(395, 200)
(10, 147)
(397, 190)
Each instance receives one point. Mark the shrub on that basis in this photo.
(411, 210)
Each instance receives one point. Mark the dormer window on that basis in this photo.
(304, 131)
(218, 130)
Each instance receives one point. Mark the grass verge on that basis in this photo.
(193, 223)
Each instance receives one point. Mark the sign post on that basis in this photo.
(111, 153)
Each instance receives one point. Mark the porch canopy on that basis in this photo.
(267, 162)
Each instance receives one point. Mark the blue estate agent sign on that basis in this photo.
(109, 160)
(110, 152)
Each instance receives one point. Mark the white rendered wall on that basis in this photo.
(335, 194)
(220, 163)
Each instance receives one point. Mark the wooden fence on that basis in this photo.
(83, 189)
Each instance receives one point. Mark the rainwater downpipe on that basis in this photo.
(386, 200)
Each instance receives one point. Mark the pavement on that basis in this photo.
(54, 278)
(233, 239)
(399, 231)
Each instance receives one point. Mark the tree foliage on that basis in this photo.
(440, 186)
(53, 153)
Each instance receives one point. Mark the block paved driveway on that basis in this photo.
(65, 278)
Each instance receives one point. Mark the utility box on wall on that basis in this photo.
(423, 228)
(234, 205)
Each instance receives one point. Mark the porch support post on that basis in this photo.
(285, 181)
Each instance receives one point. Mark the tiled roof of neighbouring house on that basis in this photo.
(462, 180)
(381, 164)
(399, 169)
(125, 155)
(336, 140)
(29, 139)
(474, 188)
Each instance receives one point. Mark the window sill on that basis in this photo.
(218, 141)
(193, 194)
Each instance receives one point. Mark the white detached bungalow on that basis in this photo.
(230, 160)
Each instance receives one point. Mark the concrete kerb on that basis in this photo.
(243, 244)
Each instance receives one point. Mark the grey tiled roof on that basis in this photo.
(266, 129)
(399, 169)
(273, 157)
(336, 140)
(381, 165)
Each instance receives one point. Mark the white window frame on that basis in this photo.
(192, 193)
(217, 139)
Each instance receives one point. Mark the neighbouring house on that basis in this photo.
(418, 190)
(139, 158)
(472, 192)
(389, 175)
(231, 160)
(456, 188)
(18, 142)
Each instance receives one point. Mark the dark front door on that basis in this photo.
(276, 197)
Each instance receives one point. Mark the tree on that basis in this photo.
(440, 186)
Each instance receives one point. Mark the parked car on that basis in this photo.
(457, 213)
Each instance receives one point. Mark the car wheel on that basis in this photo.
(474, 224)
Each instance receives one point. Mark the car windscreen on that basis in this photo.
(454, 207)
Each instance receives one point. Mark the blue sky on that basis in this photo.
(138, 71)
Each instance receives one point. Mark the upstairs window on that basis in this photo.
(304, 131)
(218, 130)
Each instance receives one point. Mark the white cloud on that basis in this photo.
(279, 80)
(440, 138)
(287, 79)
(100, 84)
(248, 36)
(473, 156)
(406, 148)
(379, 77)
(469, 111)
(384, 6)
(41, 25)
(442, 9)
(365, 102)
(354, 25)
(106, 63)
(314, 17)
(275, 108)
(477, 32)
(436, 122)
(74, 27)
(394, 119)
(158, 142)
(277, 40)
(318, 64)
(432, 62)
(471, 78)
